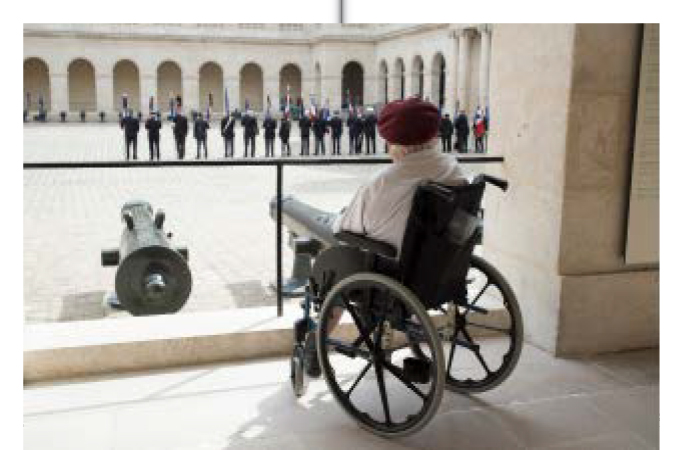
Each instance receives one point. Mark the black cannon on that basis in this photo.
(310, 231)
(153, 277)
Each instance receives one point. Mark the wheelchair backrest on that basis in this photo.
(441, 232)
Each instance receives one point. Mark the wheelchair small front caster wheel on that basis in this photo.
(297, 371)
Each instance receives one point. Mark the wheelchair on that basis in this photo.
(391, 334)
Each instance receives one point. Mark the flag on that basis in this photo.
(350, 100)
(287, 101)
(313, 108)
(326, 113)
(246, 104)
(268, 104)
(151, 104)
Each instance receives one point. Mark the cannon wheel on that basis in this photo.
(485, 283)
(378, 307)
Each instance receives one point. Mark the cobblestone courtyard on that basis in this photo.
(221, 214)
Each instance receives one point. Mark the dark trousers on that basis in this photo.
(180, 146)
(200, 142)
(352, 144)
(336, 145)
(320, 143)
(358, 141)
(462, 143)
(446, 143)
(134, 141)
(270, 146)
(285, 145)
(249, 140)
(154, 148)
(229, 143)
(479, 144)
(305, 143)
(370, 138)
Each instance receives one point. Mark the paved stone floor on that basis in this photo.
(220, 213)
(610, 402)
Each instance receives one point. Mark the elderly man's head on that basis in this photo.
(409, 126)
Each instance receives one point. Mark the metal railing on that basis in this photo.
(278, 162)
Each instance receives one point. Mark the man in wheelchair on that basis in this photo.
(402, 247)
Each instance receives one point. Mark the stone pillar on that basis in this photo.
(484, 59)
(452, 64)
(104, 92)
(271, 86)
(59, 92)
(463, 69)
(148, 88)
(232, 83)
(557, 234)
(190, 92)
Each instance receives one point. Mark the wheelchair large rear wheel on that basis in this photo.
(482, 334)
(366, 359)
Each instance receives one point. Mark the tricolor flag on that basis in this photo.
(313, 108)
(151, 104)
(287, 101)
(326, 111)
(350, 100)
(268, 104)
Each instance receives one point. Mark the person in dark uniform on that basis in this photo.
(200, 134)
(285, 126)
(337, 127)
(269, 128)
(228, 133)
(446, 131)
(319, 131)
(131, 127)
(250, 131)
(350, 123)
(153, 125)
(305, 128)
(357, 130)
(462, 130)
(369, 130)
(180, 132)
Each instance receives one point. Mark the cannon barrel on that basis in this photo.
(304, 220)
(152, 276)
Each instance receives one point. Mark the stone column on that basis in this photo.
(104, 92)
(271, 86)
(484, 59)
(59, 92)
(148, 88)
(452, 73)
(190, 93)
(463, 69)
(232, 83)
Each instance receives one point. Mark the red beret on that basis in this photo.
(408, 122)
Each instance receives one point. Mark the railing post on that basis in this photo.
(278, 234)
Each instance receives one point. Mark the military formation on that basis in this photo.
(360, 124)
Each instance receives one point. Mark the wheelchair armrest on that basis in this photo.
(366, 243)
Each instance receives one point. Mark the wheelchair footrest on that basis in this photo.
(416, 370)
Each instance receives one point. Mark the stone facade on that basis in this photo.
(90, 66)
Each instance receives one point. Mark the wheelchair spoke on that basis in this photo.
(476, 298)
(395, 371)
(451, 354)
(383, 392)
(477, 352)
(364, 334)
(360, 377)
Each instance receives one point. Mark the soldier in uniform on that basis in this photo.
(250, 131)
(285, 126)
(153, 125)
(228, 133)
(200, 134)
(357, 130)
(180, 130)
(446, 132)
(462, 129)
(131, 126)
(350, 121)
(305, 128)
(369, 130)
(337, 127)
(269, 128)
(319, 131)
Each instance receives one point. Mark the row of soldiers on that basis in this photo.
(362, 128)
(461, 129)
